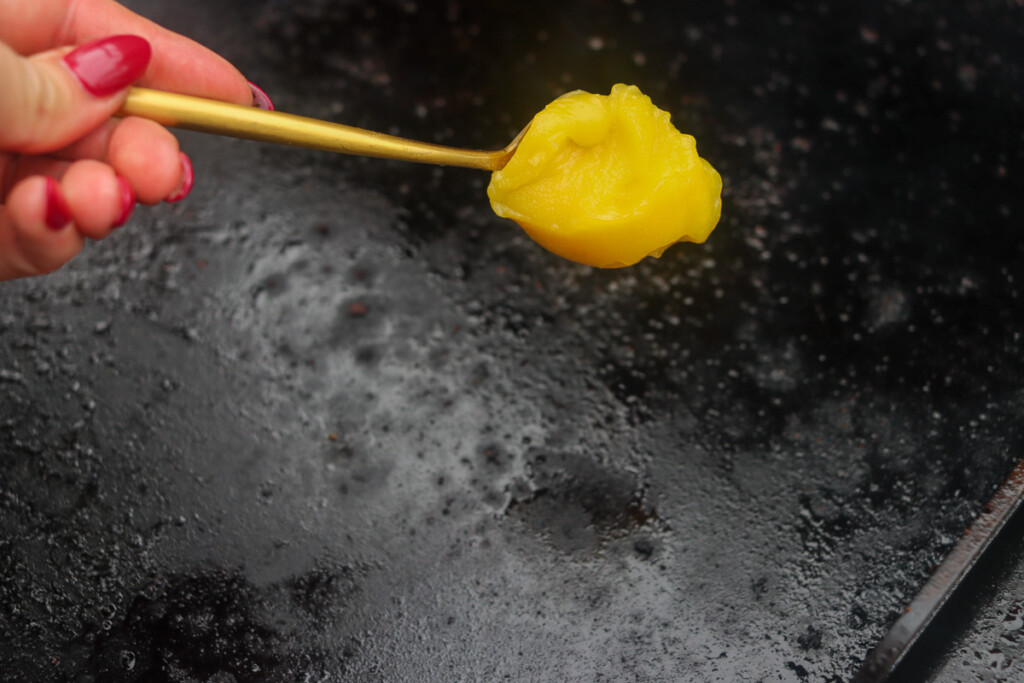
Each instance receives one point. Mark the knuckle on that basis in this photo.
(37, 101)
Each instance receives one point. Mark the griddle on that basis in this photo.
(331, 419)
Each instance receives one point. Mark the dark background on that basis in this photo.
(331, 419)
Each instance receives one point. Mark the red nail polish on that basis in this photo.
(109, 64)
(127, 203)
(58, 213)
(187, 180)
(260, 99)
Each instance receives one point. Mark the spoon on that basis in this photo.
(221, 118)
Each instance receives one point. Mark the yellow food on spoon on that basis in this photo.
(606, 181)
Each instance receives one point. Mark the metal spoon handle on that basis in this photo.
(221, 118)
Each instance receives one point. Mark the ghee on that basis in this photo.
(607, 180)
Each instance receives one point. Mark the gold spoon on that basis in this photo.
(221, 118)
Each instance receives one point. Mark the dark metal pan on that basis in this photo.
(331, 419)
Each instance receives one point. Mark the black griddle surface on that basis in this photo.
(331, 419)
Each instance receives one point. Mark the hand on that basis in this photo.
(68, 171)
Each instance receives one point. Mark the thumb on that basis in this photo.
(53, 98)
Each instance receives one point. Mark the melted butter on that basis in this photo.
(607, 180)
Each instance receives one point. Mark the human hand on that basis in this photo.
(68, 171)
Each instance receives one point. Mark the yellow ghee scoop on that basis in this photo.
(600, 180)
(607, 180)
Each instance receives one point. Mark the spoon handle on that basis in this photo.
(221, 118)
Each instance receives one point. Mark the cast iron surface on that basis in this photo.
(977, 635)
(330, 419)
(945, 580)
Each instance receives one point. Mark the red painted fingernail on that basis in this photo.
(127, 203)
(260, 99)
(187, 180)
(58, 214)
(109, 64)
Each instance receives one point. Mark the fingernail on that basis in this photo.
(127, 203)
(58, 214)
(260, 99)
(187, 180)
(109, 64)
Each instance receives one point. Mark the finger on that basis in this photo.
(54, 98)
(179, 64)
(36, 233)
(98, 199)
(148, 157)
